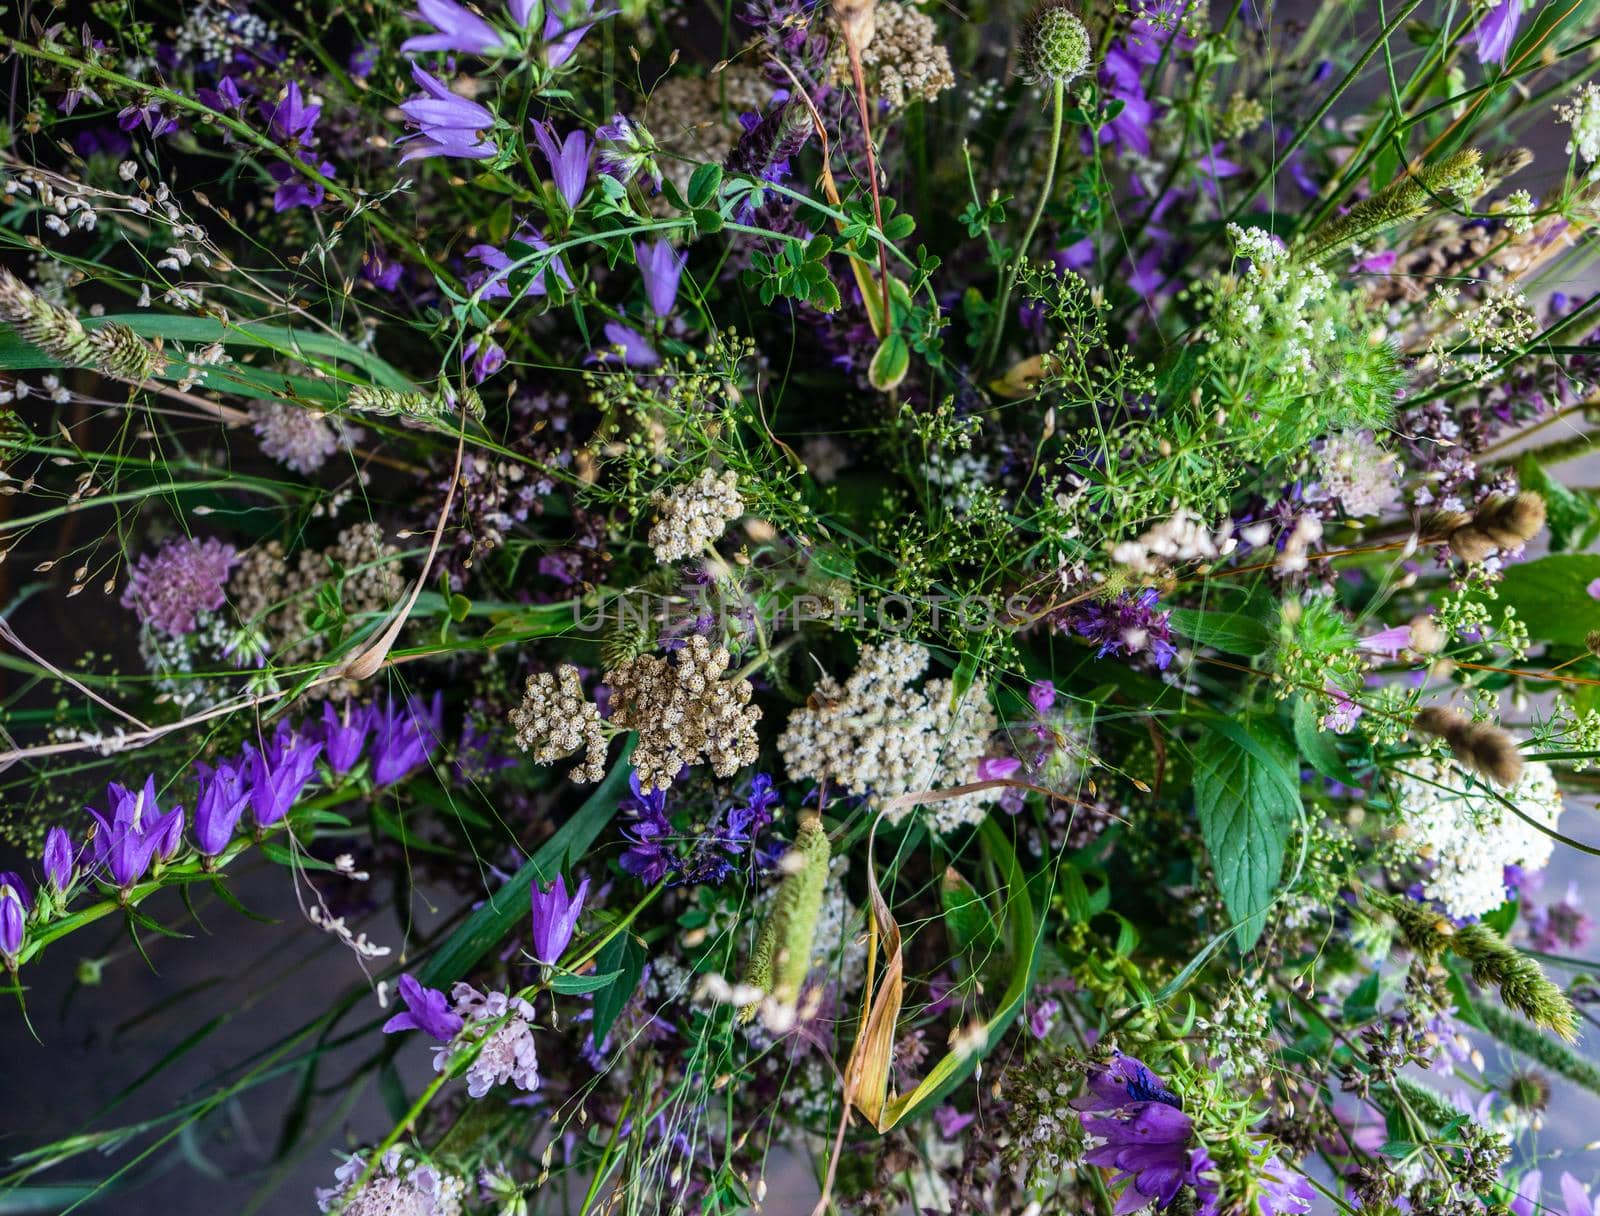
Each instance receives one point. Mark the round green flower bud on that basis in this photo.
(1055, 43)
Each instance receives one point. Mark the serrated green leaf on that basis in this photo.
(1317, 746)
(1230, 632)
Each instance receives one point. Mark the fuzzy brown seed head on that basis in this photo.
(1592, 641)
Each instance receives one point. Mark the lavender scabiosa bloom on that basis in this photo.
(14, 905)
(569, 160)
(455, 29)
(502, 1027)
(660, 266)
(555, 918)
(427, 1010)
(300, 439)
(1129, 624)
(171, 587)
(1496, 31)
(60, 860)
(126, 843)
(344, 734)
(1144, 1134)
(280, 773)
(399, 1186)
(404, 737)
(223, 796)
(447, 123)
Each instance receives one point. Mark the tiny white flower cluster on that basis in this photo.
(694, 515)
(335, 926)
(1582, 114)
(1466, 836)
(1277, 292)
(875, 734)
(502, 1026)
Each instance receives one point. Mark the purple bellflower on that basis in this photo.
(427, 1009)
(1496, 31)
(127, 842)
(1145, 1136)
(60, 859)
(447, 123)
(293, 123)
(629, 345)
(555, 918)
(564, 28)
(660, 266)
(14, 906)
(280, 774)
(222, 799)
(344, 734)
(490, 283)
(569, 160)
(456, 29)
(404, 737)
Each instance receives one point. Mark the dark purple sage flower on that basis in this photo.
(660, 266)
(569, 160)
(1496, 31)
(60, 859)
(1144, 1132)
(427, 1009)
(404, 737)
(447, 124)
(770, 142)
(280, 774)
(127, 843)
(221, 801)
(649, 857)
(1129, 624)
(457, 29)
(14, 906)
(555, 918)
(344, 734)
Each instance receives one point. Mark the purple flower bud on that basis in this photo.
(60, 859)
(1496, 31)
(344, 734)
(564, 29)
(13, 915)
(555, 918)
(223, 795)
(569, 160)
(660, 266)
(1042, 696)
(280, 774)
(427, 1009)
(405, 737)
(482, 358)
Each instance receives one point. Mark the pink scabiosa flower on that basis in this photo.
(427, 1010)
(502, 1027)
(455, 29)
(555, 918)
(126, 843)
(170, 588)
(447, 124)
(300, 439)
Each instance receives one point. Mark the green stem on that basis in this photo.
(1057, 105)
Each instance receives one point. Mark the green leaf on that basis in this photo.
(1247, 800)
(1231, 632)
(1551, 596)
(569, 983)
(890, 364)
(1317, 747)
(705, 183)
(825, 296)
(624, 957)
(707, 220)
(966, 915)
(900, 227)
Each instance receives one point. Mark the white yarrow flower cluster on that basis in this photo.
(875, 734)
(504, 1026)
(1466, 836)
(1582, 114)
(398, 1187)
(692, 516)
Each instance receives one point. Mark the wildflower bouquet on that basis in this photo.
(820, 606)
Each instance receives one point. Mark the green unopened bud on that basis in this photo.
(1055, 44)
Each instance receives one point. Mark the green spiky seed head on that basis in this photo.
(1055, 43)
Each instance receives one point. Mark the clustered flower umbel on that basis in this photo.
(691, 517)
(556, 720)
(684, 712)
(1467, 836)
(875, 734)
(904, 50)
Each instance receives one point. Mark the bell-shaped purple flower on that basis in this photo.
(14, 905)
(660, 265)
(1145, 1134)
(224, 794)
(629, 345)
(569, 160)
(555, 918)
(344, 734)
(1496, 31)
(127, 842)
(404, 737)
(60, 860)
(564, 28)
(427, 1009)
(447, 123)
(456, 29)
(279, 775)
(482, 358)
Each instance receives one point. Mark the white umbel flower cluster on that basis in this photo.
(692, 516)
(1466, 836)
(875, 734)
(1582, 114)
(1355, 470)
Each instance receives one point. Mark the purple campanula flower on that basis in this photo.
(60, 859)
(491, 283)
(555, 918)
(564, 29)
(629, 345)
(482, 358)
(569, 160)
(224, 793)
(290, 119)
(14, 906)
(1284, 1192)
(997, 768)
(1496, 31)
(951, 1122)
(427, 1009)
(295, 190)
(456, 29)
(280, 774)
(362, 60)
(404, 737)
(150, 116)
(127, 842)
(628, 151)
(225, 98)
(1594, 589)
(447, 123)
(660, 266)
(344, 734)
(1144, 1133)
